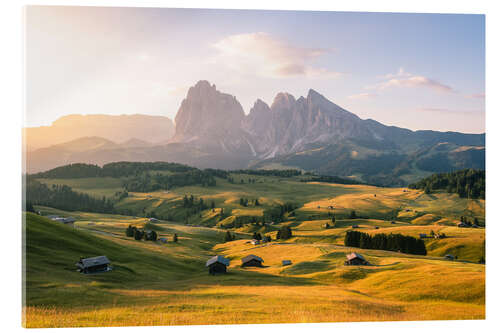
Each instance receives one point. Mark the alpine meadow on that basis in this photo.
(153, 197)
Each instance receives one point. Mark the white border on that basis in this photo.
(12, 120)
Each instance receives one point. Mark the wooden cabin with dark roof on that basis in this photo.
(252, 261)
(93, 265)
(217, 265)
(355, 259)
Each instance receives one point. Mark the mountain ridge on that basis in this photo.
(310, 133)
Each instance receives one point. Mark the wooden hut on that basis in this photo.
(217, 265)
(252, 260)
(449, 257)
(286, 262)
(93, 265)
(355, 259)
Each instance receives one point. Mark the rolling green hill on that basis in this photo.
(165, 284)
(154, 283)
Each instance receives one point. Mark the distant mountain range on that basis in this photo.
(152, 129)
(310, 133)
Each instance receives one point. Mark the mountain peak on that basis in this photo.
(260, 104)
(313, 94)
(283, 100)
(206, 112)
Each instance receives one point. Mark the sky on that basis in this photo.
(417, 71)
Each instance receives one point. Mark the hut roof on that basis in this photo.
(250, 258)
(94, 261)
(286, 262)
(215, 259)
(355, 255)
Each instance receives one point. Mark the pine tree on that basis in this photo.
(138, 234)
(129, 232)
(228, 237)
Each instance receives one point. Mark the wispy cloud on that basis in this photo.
(408, 80)
(445, 110)
(400, 73)
(362, 96)
(265, 55)
(477, 96)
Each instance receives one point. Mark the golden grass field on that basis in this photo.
(168, 284)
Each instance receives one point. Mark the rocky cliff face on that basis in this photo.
(289, 125)
(210, 120)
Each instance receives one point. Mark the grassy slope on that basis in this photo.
(156, 284)
(367, 201)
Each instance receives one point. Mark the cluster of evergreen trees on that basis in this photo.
(285, 232)
(277, 213)
(277, 173)
(468, 183)
(228, 237)
(115, 169)
(244, 202)
(391, 242)
(63, 197)
(147, 182)
(258, 236)
(138, 234)
(127, 169)
(467, 222)
(332, 179)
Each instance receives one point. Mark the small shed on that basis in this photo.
(163, 240)
(152, 219)
(64, 220)
(449, 257)
(217, 264)
(355, 259)
(252, 260)
(393, 222)
(93, 265)
(286, 262)
(463, 225)
(354, 226)
(423, 236)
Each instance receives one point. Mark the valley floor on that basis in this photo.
(168, 284)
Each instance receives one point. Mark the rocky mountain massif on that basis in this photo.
(310, 133)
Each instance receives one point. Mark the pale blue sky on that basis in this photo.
(419, 71)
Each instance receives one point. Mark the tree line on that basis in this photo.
(277, 213)
(332, 179)
(389, 242)
(115, 169)
(147, 182)
(468, 183)
(63, 197)
(277, 173)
